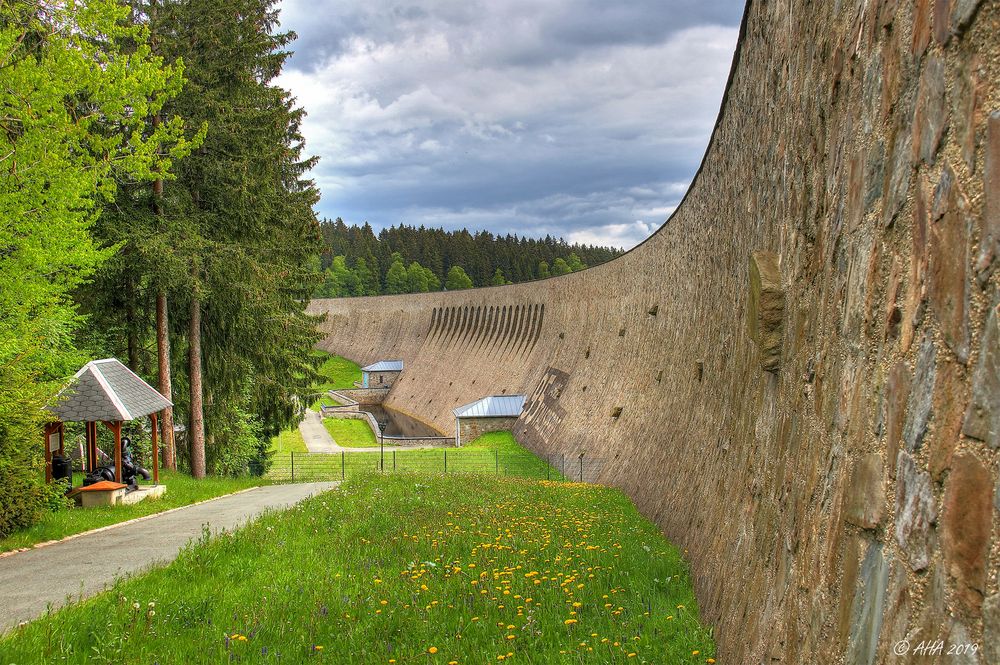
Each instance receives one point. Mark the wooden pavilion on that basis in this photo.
(103, 391)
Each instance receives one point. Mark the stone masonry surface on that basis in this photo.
(834, 480)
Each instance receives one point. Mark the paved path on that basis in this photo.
(31, 580)
(318, 439)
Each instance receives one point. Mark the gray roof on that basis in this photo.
(106, 390)
(384, 366)
(494, 406)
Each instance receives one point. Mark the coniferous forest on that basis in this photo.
(406, 259)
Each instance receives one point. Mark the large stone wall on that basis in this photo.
(821, 439)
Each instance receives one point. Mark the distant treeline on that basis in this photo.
(408, 259)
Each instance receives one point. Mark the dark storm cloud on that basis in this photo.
(578, 118)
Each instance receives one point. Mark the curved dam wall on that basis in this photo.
(806, 355)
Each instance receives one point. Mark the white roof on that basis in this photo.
(384, 366)
(494, 406)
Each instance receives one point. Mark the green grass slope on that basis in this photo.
(403, 569)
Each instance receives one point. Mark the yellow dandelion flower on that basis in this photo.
(569, 622)
(432, 649)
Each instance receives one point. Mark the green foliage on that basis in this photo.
(498, 279)
(560, 267)
(77, 82)
(543, 270)
(364, 574)
(396, 279)
(457, 279)
(574, 262)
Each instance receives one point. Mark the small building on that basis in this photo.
(490, 414)
(381, 374)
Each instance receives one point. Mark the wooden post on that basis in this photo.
(117, 429)
(46, 431)
(91, 447)
(156, 452)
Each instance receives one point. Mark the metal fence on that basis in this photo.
(301, 467)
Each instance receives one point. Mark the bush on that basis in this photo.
(21, 497)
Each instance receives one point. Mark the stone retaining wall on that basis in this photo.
(361, 395)
(798, 376)
(470, 429)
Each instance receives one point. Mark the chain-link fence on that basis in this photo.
(301, 467)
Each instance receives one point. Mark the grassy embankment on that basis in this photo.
(337, 372)
(182, 490)
(403, 569)
(496, 453)
(351, 433)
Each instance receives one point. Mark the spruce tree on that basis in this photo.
(245, 226)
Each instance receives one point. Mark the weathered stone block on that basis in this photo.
(948, 286)
(766, 309)
(897, 391)
(982, 421)
(920, 404)
(915, 512)
(931, 112)
(866, 493)
(966, 522)
(866, 612)
(990, 246)
(991, 629)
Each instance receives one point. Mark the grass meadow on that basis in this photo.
(404, 569)
(351, 433)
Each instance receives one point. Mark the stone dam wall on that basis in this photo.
(798, 376)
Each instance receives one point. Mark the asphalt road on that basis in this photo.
(35, 579)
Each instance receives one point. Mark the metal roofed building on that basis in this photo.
(381, 374)
(490, 414)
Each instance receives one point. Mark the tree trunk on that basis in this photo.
(131, 332)
(196, 429)
(163, 359)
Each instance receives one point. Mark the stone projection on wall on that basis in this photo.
(833, 480)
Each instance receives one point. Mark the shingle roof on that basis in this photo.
(384, 366)
(106, 390)
(494, 406)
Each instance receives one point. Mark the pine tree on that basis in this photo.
(498, 278)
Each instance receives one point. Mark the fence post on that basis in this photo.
(548, 470)
(564, 466)
(581, 467)
(293, 465)
(343, 464)
(446, 460)
(393, 460)
(496, 456)
(381, 454)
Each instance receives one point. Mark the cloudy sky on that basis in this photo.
(579, 118)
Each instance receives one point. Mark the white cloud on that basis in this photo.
(534, 115)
